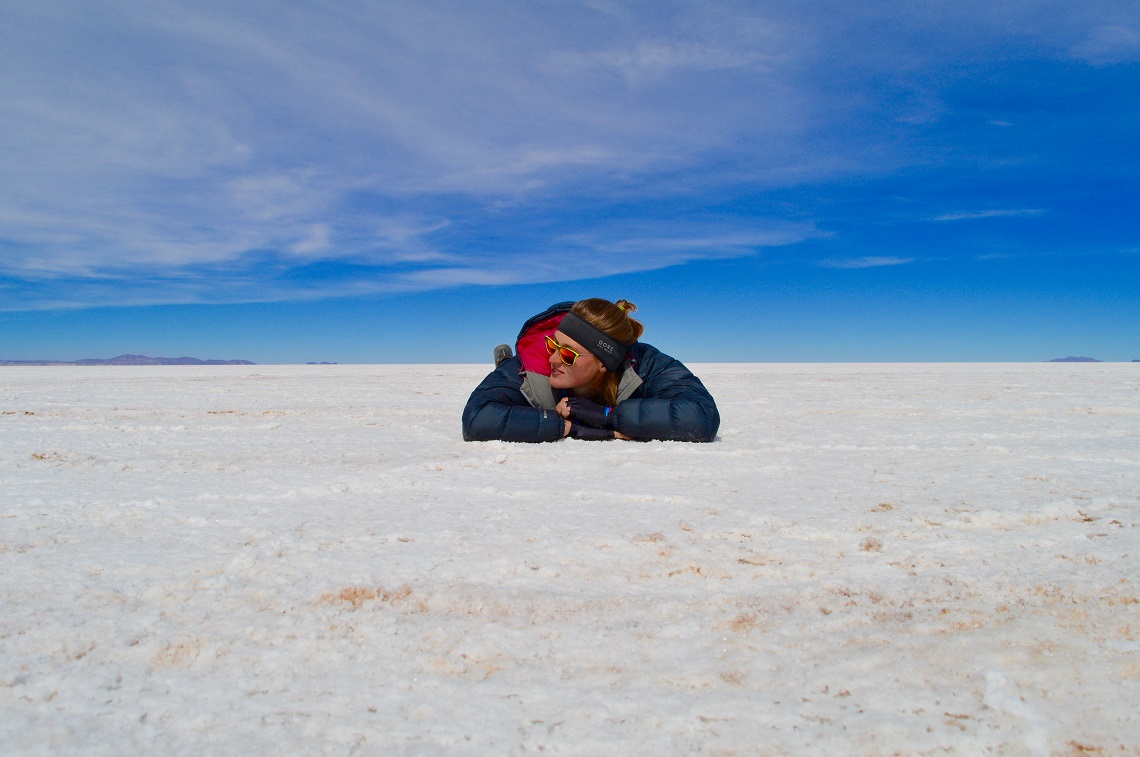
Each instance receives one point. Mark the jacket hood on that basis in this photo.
(531, 343)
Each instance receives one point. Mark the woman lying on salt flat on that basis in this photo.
(581, 372)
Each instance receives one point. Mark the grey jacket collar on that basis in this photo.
(538, 392)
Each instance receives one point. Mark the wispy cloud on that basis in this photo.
(870, 261)
(1109, 44)
(976, 215)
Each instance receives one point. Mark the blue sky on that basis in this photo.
(408, 181)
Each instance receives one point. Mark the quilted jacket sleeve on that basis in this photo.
(497, 409)
(672, 404)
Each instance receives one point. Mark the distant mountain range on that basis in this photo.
(130, 360)
(1078, 360)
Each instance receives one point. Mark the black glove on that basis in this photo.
(590, 434)
(590, 413)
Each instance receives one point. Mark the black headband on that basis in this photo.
(607, 349)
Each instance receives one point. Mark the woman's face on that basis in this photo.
(586, 373)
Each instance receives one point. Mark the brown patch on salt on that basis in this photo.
(358, 595)
(871, 545)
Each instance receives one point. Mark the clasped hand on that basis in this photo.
(587, 420)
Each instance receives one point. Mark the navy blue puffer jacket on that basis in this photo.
(660, 398)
